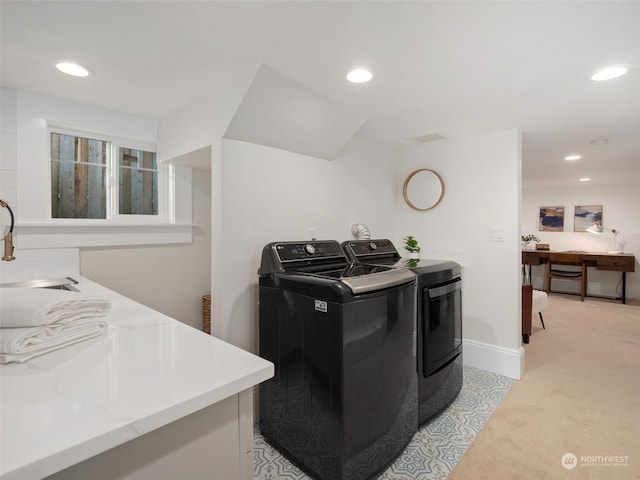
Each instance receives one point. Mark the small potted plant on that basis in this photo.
(411, 246)
(527, 239)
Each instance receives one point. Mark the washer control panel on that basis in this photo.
(293, 256)
(291, 251)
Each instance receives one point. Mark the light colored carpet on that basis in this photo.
(580, 395)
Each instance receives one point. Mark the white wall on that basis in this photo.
(271, 195)
(619, 210)
(168, 278)
(482, 177)
(8, 153)
(35, 114)
(35, 228)
(259, 195)
(199, 127)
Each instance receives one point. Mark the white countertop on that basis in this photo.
(146, 372)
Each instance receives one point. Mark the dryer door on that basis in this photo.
(442, 327)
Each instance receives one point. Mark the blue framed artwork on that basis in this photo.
(585, 216)
(551, 219)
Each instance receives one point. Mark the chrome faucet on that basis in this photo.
(8, 238)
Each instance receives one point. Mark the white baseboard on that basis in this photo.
(500, 360)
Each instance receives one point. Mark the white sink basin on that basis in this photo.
(66, 283)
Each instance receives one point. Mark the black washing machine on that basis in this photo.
(343, 401)
(439, 320)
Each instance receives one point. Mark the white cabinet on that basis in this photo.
(213, 443)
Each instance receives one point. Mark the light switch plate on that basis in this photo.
(496, 234)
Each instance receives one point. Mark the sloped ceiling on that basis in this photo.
(282, 113)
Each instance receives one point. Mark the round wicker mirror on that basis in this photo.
(423, 189)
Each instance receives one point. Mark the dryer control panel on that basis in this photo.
(364, 250)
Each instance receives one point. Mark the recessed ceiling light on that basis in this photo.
(73, 69)
(611, 72)
(572, 157)
(585, 179)
(359, 75)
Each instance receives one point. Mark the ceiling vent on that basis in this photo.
(428, 137)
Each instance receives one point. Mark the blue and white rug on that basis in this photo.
(435, 448)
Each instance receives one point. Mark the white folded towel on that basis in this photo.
(21, 344)
(37, 321)
(34, 307)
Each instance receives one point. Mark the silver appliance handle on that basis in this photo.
(379, 281)
(445, 289)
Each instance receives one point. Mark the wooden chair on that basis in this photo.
(564, 259)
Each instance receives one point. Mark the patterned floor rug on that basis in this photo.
(434, 449)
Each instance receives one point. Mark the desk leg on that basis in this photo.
(624, 287)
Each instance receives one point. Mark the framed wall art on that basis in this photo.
(585, 216)
(551, 219)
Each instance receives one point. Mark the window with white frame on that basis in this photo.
(137, 182)
(97, 177)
